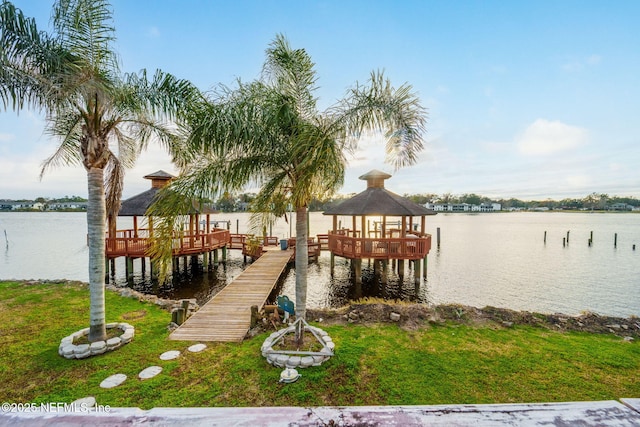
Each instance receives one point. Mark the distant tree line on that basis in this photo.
(593, 201)
(242, 202)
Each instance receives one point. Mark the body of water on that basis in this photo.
(497, 259)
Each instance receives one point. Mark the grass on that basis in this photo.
(373, 365)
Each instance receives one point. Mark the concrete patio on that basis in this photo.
(625, 412)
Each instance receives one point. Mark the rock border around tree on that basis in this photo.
(297, 359)
(69, 350)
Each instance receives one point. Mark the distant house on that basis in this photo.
(10, 205)
(486, 207)
(58, 206)
(621, 207)
(464, 207)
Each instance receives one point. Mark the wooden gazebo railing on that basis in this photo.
(135, 243)
(410, 248)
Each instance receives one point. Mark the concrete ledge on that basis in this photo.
(600, 413)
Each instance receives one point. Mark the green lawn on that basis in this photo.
(373, 365)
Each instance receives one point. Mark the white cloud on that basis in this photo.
(578, 181)
(575, 65)
(153, 32)
(544, 137)
(594, 60)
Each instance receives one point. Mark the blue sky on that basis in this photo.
(527, 99)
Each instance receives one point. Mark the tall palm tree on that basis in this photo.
(102, 118)
(270, 133)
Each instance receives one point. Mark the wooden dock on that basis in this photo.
(227, 316)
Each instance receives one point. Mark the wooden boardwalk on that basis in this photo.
(227, 316)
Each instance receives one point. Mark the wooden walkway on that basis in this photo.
(227, 316)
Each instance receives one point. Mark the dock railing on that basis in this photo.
(136, 243)
(412, 248)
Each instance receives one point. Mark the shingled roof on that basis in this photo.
(376, 200)
(138, 204)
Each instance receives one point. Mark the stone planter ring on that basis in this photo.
(297, 359)
(69, 350)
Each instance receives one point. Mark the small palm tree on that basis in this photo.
(101, 117)
(270, 133)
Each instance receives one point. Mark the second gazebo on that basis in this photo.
(384, 227)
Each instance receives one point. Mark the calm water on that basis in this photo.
(483, 259)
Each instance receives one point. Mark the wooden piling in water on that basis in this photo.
(129, 269)
(424, 269)
(545, 237)
(385, 271)
(564, 242)
(416, 272)
(568, 236)
(615, 240)
(438, 236)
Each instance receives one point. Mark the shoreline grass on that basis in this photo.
(376, 364)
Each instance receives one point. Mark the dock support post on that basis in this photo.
(332, 263)
(176, 264)
(568, 237)
(143, 266)
(224, 254)
(424, 267)
(615, 240)
(545, 238)
(416, 272)
(357, 270)
(106, 270)
(215, 257)
(205, 261)
(385, 271)
(113, 268)
(129, 269)
(438, 236)
(154, 271)
(401, 269)
(254, 315)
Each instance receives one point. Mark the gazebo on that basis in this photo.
(134, 243)
(384, 226)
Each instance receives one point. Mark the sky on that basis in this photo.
(532, 99)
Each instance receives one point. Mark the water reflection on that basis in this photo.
(194, 281)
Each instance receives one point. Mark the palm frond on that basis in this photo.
(114, 183)
(380, 107)
(291, 72)
(66, 127)
(85, 28)
(28, 57)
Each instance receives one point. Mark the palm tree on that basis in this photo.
(270, 133)
(101, 117)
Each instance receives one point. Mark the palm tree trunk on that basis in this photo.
(96, 212)
(302, 263)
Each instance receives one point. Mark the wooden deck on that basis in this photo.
(136, 243)
(415, 248)
(227, 316)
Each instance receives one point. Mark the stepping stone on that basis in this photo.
(170, 355)
(197, 348)
(84, 403)
(113, 381)
(149, 372)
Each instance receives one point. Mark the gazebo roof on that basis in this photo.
(376, 200)
(138, 204)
